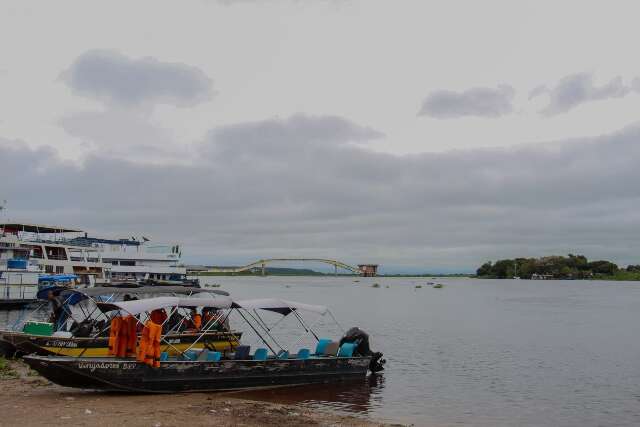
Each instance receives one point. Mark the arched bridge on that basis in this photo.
(361, 269)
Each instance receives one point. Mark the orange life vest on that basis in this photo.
(149, 346)
(114, 333)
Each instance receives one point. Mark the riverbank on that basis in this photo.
(30, 400)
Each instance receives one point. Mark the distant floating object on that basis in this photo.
(213, 285)
(430, 283)
(418, 286)
(375, 285)
(287, 286)
(387, 286)
(438, 286)
(356, 281)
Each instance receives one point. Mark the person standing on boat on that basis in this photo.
(57, 309)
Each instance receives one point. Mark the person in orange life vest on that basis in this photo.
(195, 322)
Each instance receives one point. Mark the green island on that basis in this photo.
(569, 267)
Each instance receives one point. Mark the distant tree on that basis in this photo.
(633, 268)
(485, 269)
(603, 267)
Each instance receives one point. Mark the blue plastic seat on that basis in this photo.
(303, 353)
(164, 356)
(322, 344)
(191, 355)
(283, 354)
(214, 356)
(260, 354)
(346, 350)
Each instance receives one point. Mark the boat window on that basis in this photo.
(127, 262)
(48, 268)
(59, 269)
(55, 252)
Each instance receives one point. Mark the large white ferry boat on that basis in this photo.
(50, 248)
(18, 277)
(138, 259)
(97, 261)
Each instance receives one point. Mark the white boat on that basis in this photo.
(18, 277)
(50, 248)
(138, 260)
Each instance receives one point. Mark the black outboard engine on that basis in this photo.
(361, 339)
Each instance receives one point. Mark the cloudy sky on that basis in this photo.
(424, 136)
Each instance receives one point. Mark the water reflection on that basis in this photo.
(353, 397)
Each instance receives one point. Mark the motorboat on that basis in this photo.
(81, 328)
(194, 370)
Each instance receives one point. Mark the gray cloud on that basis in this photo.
(576, 89)
(297, 186)
(479, 102)
(117, 80)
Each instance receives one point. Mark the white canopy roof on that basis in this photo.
(219, 302)
(140, 306)
(281, 306)
(150, 304)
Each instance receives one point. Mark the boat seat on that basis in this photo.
(242, 352)
(191, 355)
(260, 354)
(303, 353)
(331, 349)
(214, 356)
(346, 350)
(322, 343)
(283, 354)
(164, 356)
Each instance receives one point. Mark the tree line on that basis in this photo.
(556, 267)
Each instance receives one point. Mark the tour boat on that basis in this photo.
(49, 248)
(82, 333)
(18, 276)
(208, 370)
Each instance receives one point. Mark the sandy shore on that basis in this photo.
(30, 400)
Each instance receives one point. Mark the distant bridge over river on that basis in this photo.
(367, 270)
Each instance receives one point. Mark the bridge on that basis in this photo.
(367, 270)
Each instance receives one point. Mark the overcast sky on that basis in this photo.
(424, 136)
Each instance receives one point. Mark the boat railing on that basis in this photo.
(10, 291)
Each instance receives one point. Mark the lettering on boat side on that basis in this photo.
(92, 366)
(67, 344)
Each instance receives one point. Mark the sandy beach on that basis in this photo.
(30, 400)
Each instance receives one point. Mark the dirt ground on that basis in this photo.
(30, 400)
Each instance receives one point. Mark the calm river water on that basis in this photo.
(476, 352)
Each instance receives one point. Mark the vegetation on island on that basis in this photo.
(557, 267)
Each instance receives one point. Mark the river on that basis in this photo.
(476, 352)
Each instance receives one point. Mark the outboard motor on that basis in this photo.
(360, 338)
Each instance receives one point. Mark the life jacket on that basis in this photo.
(149, 346)
(114, 333)
(127, 337)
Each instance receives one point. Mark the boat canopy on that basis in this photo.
(139, 306)
(220, 302)
(37, 228)
(149, 290)
(57, 278)
(281, 306)
(150, 304)
(71, 296)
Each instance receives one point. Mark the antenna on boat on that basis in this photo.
(3, 207)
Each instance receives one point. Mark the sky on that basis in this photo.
(423, 136)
